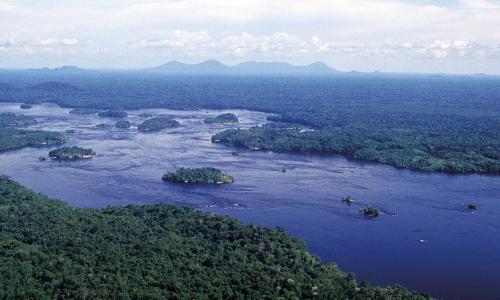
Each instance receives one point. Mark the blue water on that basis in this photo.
(459, 260)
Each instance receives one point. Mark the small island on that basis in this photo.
(26, 106)
(198, 175)
(83, 111)
(122, 124)
(157, 124)
(371, 212)
(101, 125)
(67, 153)
(228, 118)
(113, 114)
(146, 115)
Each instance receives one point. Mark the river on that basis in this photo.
(425, 239)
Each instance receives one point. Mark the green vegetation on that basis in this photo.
(113, 114)
(156, 124)
(122, 124)
(222, 119)
(371, 212)
(385, 146)
(10, 119)
(83, 111)
(199, 175)
(72, 153)
(49, 250)
(26, 106)
(433, 123)
(13, 138)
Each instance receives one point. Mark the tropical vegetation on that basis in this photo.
(157, 124)
(198, 175)
(73, 152)
(49, 250)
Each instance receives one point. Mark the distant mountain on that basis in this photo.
(250, 67)
(69, 69)
(209, 66)
(54, 86)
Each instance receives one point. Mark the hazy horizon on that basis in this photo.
(402, 36)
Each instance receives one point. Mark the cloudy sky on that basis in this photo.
(452, 36)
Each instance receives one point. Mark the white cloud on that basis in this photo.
(255, 29)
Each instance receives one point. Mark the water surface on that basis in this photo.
(460, 260)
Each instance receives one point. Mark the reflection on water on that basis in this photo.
(460, 260)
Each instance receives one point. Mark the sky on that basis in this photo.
(431, 36)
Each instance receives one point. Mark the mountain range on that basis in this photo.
(249, 67)
(210, 67)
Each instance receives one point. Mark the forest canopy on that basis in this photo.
(198, 175)
(49, 250)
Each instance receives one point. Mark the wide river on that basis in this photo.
(425, 238)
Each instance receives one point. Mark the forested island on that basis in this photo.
(26, 106)
(157, 124)
(113, 114)
(365, 144)
(13, 120)
(198, 175)
(227, 118)
(83, 111)
(51, 250)
(12, 138)
(74, 152)
(416, 122)
(123, 124)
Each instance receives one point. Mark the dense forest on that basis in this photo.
(123, 124)
(113, 114)
(198, 175)
(73, 152)
(156, 124)
(443, 122)
(83, 111)
(222, 119)
(399, 150)
(49, 250)
(12, 138)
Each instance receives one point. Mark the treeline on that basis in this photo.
(12, 138)
(49, 250)
(198, 175)
(395, 147)
(453, 120)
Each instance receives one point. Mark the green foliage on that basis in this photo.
(453, 154)
(83, 111)
(122, 124)
(371, 212)
(113, 114)
(157, 124)
(12, 139)
(433, 123)
(222, 119)
(49, 250)
(11, 119)
(73, 152)
(198, 175)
